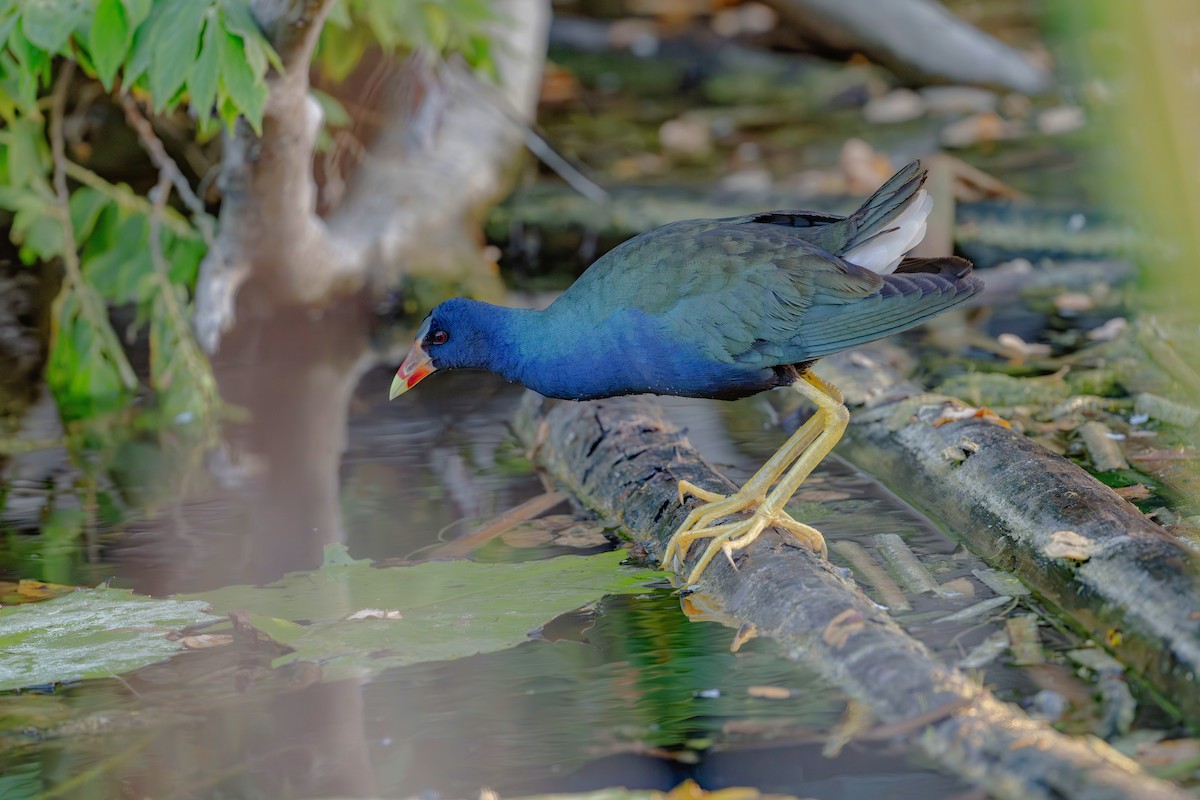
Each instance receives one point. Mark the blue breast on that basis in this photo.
(629, 353)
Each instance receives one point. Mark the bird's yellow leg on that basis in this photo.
(753, 492)
(833, 417)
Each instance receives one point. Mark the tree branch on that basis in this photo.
(439, 157)
(90, 304)
(269, 227)
(622, 459)
(170, 170)
(442, 152)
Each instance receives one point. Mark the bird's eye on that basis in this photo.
(438, 337)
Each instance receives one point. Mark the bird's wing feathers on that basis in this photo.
(757, 294)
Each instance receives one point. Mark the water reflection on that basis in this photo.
(630, 693)
(647, 700)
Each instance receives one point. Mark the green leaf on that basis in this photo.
(339, 15)
(115, 271)
(183, 258)
(138, 62)
(240, 21)
(32, 58)
(49, 23)
(202, 81)
(341, 50)
(25, 162)
(86, 371)
(338, 555)
(336, 115)
(136, 11)
(38, 232)
(91, 633)
(386, 31)
(7, 26)
(86, 204)
(109, 39)
(176, 42)
(246, 90)
(436, 611)
(437, 25)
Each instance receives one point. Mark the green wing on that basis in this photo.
(757, 294)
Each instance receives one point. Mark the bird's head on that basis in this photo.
(454, 335)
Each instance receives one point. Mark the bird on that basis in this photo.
(721, 309)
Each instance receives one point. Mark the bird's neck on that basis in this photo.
(567, 352)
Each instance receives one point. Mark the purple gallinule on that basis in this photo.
(718, 308)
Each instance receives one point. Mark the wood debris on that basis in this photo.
(1023, 638)
(1070, 545)
(866, 567)
(1103, 449)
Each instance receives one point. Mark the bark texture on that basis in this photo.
(1131, 586)
(623, 460)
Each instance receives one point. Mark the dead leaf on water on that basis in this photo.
(582, 537)
(527, 537)
(32, 591)
(1137, 491)
(950, 414)
(1168, 753)
(376, 613)
(206, 640)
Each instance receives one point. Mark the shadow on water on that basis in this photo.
(631, 692)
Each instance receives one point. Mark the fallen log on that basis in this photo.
(623, 460)
(1125, 581)
(918, 40)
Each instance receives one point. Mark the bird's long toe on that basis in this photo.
(730, 537)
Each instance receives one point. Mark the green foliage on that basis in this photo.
(359, 620)
(441, 26)
(210, 59)
(210, 52)
(91, 633)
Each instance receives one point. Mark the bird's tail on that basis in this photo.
(889, 224)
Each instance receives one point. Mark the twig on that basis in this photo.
(535, 139)
(95, 312)
(194, 362)
(18, 446)
(168, 168)
(502, 524)
(124, 197)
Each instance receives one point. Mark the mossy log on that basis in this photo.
(1127, 582)
(549, 223)
(622, 459)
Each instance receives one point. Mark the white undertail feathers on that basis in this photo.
(882, 253)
